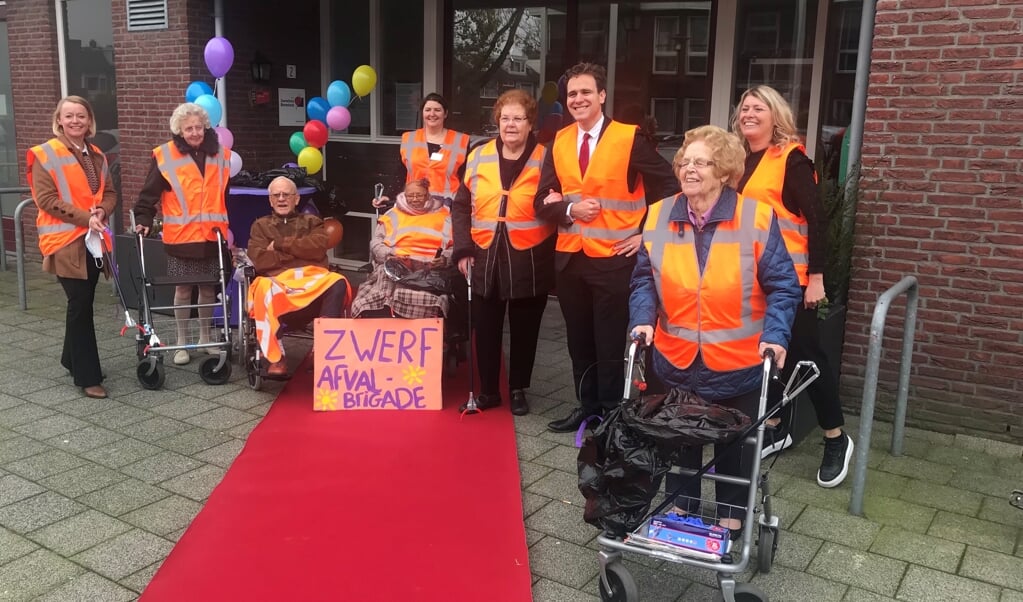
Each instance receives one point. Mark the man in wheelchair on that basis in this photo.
(293, 281)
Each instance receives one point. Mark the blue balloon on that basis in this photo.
(339, 94)
(316, 108)
(556, 108)
(212, 106)
(197, 89)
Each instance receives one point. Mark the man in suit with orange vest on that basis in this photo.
(595, 184)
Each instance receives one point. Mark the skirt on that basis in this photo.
(200, 269)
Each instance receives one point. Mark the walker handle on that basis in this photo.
(772, 365)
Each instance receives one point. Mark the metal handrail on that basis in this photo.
(19, 249)
(909, 286)
(3, 243)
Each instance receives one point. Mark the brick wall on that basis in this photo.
(943, 201)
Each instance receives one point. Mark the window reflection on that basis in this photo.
(9, 176)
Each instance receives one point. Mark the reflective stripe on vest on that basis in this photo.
(489, 204)
(72, 187)
(442, 173)
(766, 185)
(417, 236)
(195, 204)
(718, 312)
(606, 180)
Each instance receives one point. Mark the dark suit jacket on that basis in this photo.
(658, 181)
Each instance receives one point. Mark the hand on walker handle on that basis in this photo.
(643, 334)
(779, 353)
(144, 230)
(465, 265)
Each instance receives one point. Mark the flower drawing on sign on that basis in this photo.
(326, 399)
(413, 375)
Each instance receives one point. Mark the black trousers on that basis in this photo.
(80, 355)
(330, 304)
(823, 392)
(595, 304)
(737, 461)
(524, 317)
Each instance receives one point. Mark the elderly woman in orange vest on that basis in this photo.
(510, 250)
(188, 177)
(779, 173)
(416, 230)
(71, 186)
(713, 288)
(433, 152)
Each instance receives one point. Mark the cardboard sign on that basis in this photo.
(377, 364)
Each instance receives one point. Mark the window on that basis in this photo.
(762, 33)
(489, 90)
(663, 112)
(848, 37)
(695, 113)
(665, 39)
(697, 44)
(516, 66)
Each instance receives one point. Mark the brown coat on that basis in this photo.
(69, 261)
(299, 240)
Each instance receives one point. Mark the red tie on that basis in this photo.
(584, 154)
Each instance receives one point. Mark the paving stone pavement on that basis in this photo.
(94, 493)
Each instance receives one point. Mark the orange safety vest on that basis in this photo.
(483, 179)
(418, 236)
(719, 312)
(606, 179)
(72, 188)
(442, 171)
(195, 204)
(765, 185)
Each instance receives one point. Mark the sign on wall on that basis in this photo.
(291, 106)
(377, 364)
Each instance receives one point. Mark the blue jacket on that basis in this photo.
(776, 275)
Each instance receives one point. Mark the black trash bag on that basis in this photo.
(422, 276)
(622, 463)
(327, 203)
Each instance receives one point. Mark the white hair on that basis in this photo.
(184, 111)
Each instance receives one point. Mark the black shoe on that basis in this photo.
(484, 401)
(835, 465)
(519, 405)
(569, 423)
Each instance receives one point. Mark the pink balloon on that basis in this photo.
(338, 118)
(225, 136)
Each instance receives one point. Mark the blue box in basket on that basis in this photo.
(689, 532)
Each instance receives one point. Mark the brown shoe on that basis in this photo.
(278, 368)
(95, 392)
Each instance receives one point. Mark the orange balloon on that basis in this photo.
(335, 231)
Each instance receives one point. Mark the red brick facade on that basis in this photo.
(943, 201)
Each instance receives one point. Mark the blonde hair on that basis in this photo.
(78, 100)
(726, 149)
(781, 114)
(186, 110)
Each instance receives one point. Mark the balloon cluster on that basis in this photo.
(551, 109)
(219, 55)
(327, 114)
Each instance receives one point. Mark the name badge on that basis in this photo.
(437, 156)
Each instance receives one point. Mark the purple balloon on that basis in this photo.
(338, 118)
(225, 136)
(219, 56)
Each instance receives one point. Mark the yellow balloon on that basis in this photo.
(311, 159)
(364, 80)
(549, 93)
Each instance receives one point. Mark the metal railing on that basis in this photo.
(3, 243)
(19, 249)
(907, 285)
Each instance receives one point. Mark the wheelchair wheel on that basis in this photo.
(252, 371)
(209, 373)
(621, 587)
(766, 548)
(150, 373)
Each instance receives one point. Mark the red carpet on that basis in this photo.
(356, 506)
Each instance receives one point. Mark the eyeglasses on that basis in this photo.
(415, 196)
(697, 163)
(516, 120)
(282, 195)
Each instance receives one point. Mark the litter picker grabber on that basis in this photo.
(470, 406)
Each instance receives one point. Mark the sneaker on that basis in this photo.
(835, 465)
(181, 357)
(774, 442)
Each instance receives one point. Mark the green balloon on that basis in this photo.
(297, 142)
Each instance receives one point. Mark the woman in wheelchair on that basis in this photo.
(293, 281)
(411, 242)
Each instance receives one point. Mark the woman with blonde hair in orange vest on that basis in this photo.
(71, 187)
(510, 250)
(416, 230)
(779, 173)
(433, 152)
(710, 248)
(188, 177)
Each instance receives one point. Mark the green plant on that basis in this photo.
(839, 200)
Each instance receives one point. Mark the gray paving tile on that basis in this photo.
(918, 469)
(864, 570)
(654, 585)
(125, 554)
(83, 479)
(35, 574)
(1009, 595)
(546, 590)
(243, 430)
(40, 466)
(170, 514)
(808, 492)
(55, 396)
(974, 532)
(924, 493)
(154, 428)
(222, 455)
(84, 439)
(563, 520)
(196, 484)
(980, 482)
(992, 567)
(243, 399)
(888, 511)
(79, 532)
(563, 562)
(851, 531)
(193, 441)
(559, 457)
(89, 587)
(13, 546)
(994, 509)
(786, 584)
(186, 407)
(23, 414)
(51, 426)
(139, 580)
(38, 511)
(14, 488)
(20, 384)
(795, 551)
(859, 595)
(558, 485)
(123, 497)
(121, 453)
(160, 467)
(204, 391)
(118, 416)
(922, 584)
(932, 552)
(220, 419)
